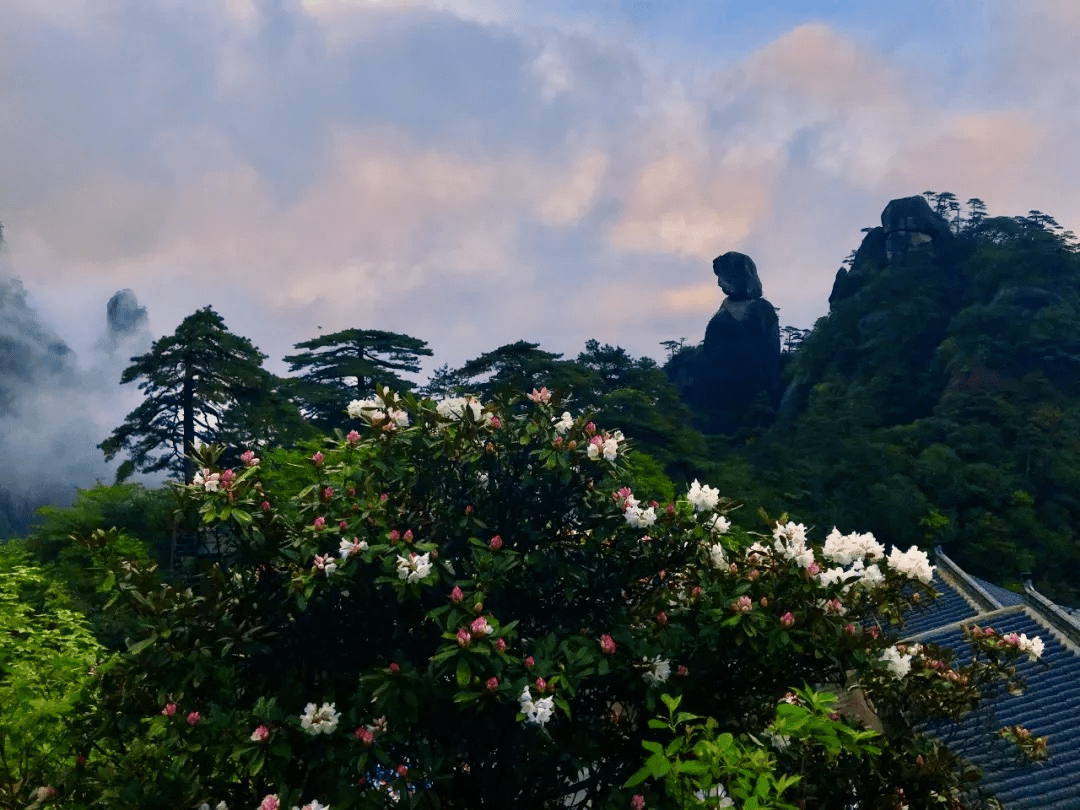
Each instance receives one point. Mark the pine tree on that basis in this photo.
(201, 383)
(347, 365)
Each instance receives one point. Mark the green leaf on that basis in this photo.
(464, 674)
(139, 646)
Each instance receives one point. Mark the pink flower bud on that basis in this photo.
(317, 459)
(541, 685)
(558, 441)
(670, 509)
(637, 802)
(496, 543)
(395, 535)
(607, 644)
(364, 735)
(394, 668)
(169, 710)
(850, 629)
(265, 506)
(352, 437)
(480, 627)
(227, 477)
(456, 595)
(343, 525)
(408, 536)
(194, 718)
(320, 523)
(327, 493)
(814, 569)
(469, 509)
(530, 662)
(261, 734)
(764, 602)
(463, 637)
(500, 645)
(383, 496)
(590, 428)
(787, 620)
(496, 422)
(661, 618)
(681, 671)
(269, 802)
(492, 684)
(402, 770)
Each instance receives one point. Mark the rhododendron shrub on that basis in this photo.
(469, 605)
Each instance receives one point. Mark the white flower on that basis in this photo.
(323, 720)
(207, 480)
(314, 805)
(640, 518)
(454, 408)
(414, 567)
(913, 563)
(379, 409)
(1032, 646)
(538, 712)
(351, 548)
(717, 558)
(658, 671)
(718, 525)
(564, 423)
(790, 544)
(325, 563)
(898, 663)
(844, 549)
(703, 498)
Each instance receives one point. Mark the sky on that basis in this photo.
(476, 172)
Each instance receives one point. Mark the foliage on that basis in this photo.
(47, 655)
(465, 606)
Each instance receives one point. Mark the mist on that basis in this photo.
(56, 407)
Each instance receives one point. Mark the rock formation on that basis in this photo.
(124, 314)
(909, 228)
(737, 370)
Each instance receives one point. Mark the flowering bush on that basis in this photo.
(466, 605)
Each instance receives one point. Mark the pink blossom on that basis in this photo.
(383, 496)
(260, 735)
(814, 569)
(456, 595)
(480, 627)
(682, 671)
(530, 662)
(637, 802)
(742, 604)
(265, 506)
(696, 592)
(327, 493)
(492, 684)
(169, 710)
(787, 619)
(834, 606)
(408, 536)
(194, 718)
(320, 523)
(496, 422)
(541, 685)
(318, 459)
(402, 770)
(541, 396)
(352, 492)
(849, 629)
(227, 477)
(558, 441)
(607, 644)
(352, 437)
(590, 428)
(500, 645)
(873, 631)
(468, 509)
(661, 618)
(394, 668)
(343, 525)
(496, 543)
(269, 802)
(463, 637)
(670, 509)
(364, 736)
(395, 535)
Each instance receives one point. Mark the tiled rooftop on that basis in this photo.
(1050, 705)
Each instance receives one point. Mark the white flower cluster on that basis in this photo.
(789, 541)
(208, 480)
(913, 563)
(657, 672)
(454, 408)
(539, 711)
(564, 423)
(379, 410)
(899, 663)
(844, 549)
(636, 516)
(859, 574)
(702, 497)
(717, 558)
(605, 446)
(414, 567)
(314, 805)
(718, 525)
(323, 720)
(218, 806)
(1032, 646)
(351, 548)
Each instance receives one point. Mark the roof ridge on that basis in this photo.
(971, 591)
(1061, 624)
